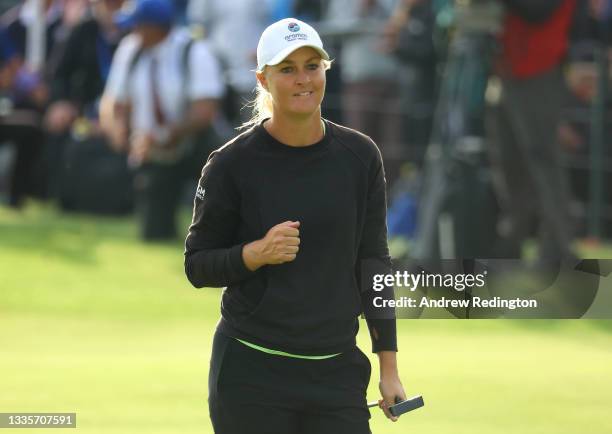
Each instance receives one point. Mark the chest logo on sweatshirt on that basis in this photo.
(200, 192)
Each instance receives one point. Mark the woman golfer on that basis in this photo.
(285, 216)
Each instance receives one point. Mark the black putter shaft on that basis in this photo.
(401, 407)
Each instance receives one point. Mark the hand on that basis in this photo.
(582, 81)
(118, 137)
(390, 385)
(140, 148)
(569, 139)
(60, 116)
(40, 94)
(8, 72)
(394, 25)
(390, 388)
(280, 245)
(173, 138)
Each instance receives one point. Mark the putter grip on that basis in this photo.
(406, 406)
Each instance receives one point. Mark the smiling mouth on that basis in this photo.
(303, 93)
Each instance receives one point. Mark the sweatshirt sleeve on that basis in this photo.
(213, 257)
(373, 258)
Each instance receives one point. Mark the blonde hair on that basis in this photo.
(261, 106)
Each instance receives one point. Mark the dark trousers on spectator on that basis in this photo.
(252, 392)
(29, 142)
(158, 189)
(531, 183)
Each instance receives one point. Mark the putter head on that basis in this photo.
(402, 407)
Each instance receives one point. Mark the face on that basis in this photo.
(150, 34)
(113, 5)
(297, 84)
(106, 9)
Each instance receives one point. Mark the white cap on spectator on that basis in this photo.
(284, 37)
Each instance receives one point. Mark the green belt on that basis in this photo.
(282, 353)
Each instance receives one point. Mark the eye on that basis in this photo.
(286, 69)
(313, 66)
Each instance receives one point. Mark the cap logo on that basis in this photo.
(293, 27)
(294, 36)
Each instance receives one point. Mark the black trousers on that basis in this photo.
(252, 392)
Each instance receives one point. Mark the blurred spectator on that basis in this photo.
(25, 96)
(60, 17)
(591, 40)
(162, 91)
(78, 81)
(9, 64)
(233, 28)
(410, 38)
(29, 92)
(83, 67)
(16, 20)
(369, 75)
(601, 12)
(533, 186)
(591, 30)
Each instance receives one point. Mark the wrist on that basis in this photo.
(388, 364)
(251, 256)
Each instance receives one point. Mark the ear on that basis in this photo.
(261, 78)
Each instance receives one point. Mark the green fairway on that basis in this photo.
(93, 321)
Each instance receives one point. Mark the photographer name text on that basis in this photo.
(443, 302)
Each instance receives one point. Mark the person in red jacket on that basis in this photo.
(533, 185)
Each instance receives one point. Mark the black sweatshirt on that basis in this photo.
(336, 190)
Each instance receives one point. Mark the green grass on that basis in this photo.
(95, 322)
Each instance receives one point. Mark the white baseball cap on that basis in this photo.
(284, 37)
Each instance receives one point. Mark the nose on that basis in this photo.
(302, 77)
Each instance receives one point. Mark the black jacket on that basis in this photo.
(79, 73)
(336, 189)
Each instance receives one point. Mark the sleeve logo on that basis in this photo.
(200, 192)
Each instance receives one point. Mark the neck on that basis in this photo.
(296, 132)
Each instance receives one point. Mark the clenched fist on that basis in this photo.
(280, 245)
